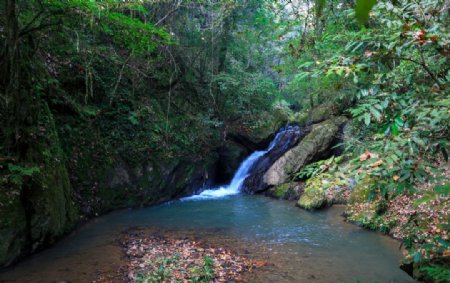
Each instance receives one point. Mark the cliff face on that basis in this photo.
(67, 182)
(36, 204)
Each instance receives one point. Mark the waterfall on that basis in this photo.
(234, 187)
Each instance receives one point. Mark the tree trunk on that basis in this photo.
(10, 72)
(18, 99)
(11, 68)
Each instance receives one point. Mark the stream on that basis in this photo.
(298, 246)
(302, 246)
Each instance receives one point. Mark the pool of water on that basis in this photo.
(299, 246)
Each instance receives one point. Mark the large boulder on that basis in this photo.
(315, 145)
(284, 140)
(324, 190)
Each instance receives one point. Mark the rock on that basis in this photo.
(287, 191)
(286, 140)
(271, 121)
(230, 157)
(312, 198)
(324, 190)
(40, 210)
(127, 186)
(322, 112)
(365, 210)
(312, 147)
(13, 241)
(119, 177)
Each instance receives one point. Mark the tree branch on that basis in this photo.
(425, 67)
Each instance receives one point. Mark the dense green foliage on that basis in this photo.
(390, 68)
(129, 79)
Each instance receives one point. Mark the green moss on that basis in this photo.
(361, 192)
(12, 225)
(281, 191)
(322, 112)
(299, 118)
(39, 209)
(312, 198)
(314, 195)
(322, 190)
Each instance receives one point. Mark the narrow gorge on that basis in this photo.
(224, 141)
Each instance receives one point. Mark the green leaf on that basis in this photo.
(23, 171)
(417, 257)
(376, 114)
(394, 129)
(399, 122)
(363, 8)
(443, 189)
(367, 119)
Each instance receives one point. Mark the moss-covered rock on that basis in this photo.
(366, 208)
(361, 192)
(360, 209)
(312, 198)
(36, 208)
(299, 118)
(287, 191)
(312, 146)
(13, 225)
(322, 112)
(324, 190)
(125, 186)
(280, 191)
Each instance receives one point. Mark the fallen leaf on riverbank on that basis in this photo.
(376, 163)
(259, 263)
(367, 155)
(161, 259)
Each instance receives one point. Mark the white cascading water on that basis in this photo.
(239, 177)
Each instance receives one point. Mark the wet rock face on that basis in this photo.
(150, 183)
(230, 156)
(288, 137)
(285, 159)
